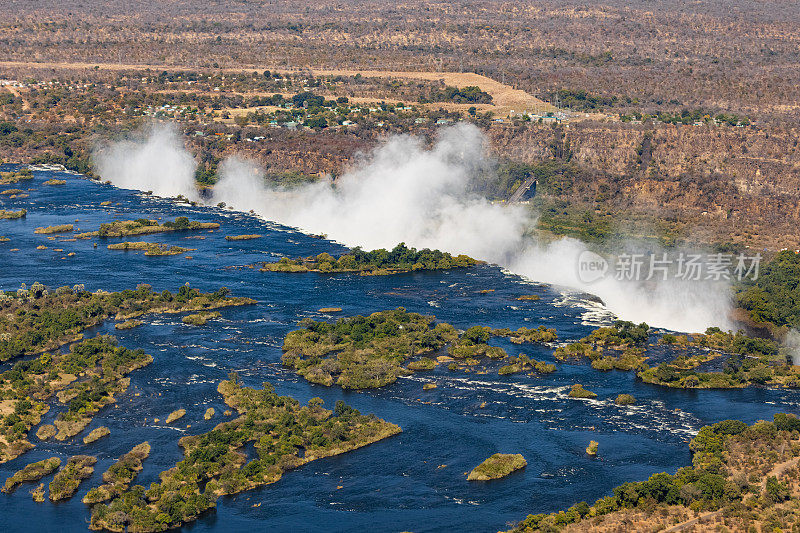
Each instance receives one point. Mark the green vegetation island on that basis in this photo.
(540, 335)
(128, 324)
(150, 248)
(363, 352)
(625, 399)
(38, 493)
(86, 379)
(46, 432)
(200, 319)
(242, 237)
(523, 363)
(8, 178)
(742, 478)
(92, 373)
(215, 465)
(119, 476)
(37, 319)
(63, 228)
(591, 449)
(497, 466)
(31, 472)
(98, 387)
(624, 340)
(175, 415)
(577, 391)
(748, 360)
(66, 482)
(368, 352)
(12, 215)
(375, 263)
(96, 434)
(144, 226)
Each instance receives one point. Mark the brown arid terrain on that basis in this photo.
(735, 55)
(678, 118)
(507, 99)
(722, 183)
(725, 183)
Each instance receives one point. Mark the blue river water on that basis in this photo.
(412, 482)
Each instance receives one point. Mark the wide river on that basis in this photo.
(411, 482)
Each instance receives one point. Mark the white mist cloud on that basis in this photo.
(403, 192)
(155, 159)
(406, 192)
(680, 305)
(792, 341)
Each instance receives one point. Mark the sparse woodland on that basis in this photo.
(225, 62)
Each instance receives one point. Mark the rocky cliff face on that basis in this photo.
(742, 184)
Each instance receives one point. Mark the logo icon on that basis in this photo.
(591, 267)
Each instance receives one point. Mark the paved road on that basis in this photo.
(517, 195)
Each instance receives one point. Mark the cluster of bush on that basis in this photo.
(622, 334)
(686, 117)
(37, 319)
(738, 372)
(466, 95)
(99, 359)
(625, 338)
(472, 344)
(749, 360)
(399, 259)
(142, 226)
(367, 352)
(363, 352)
(523, 335)
(66, 482)
(31, 472)
(775, 296)
(522, 363)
